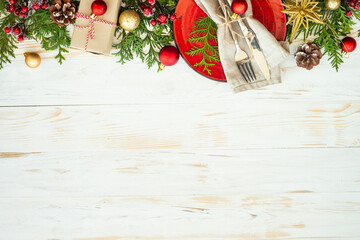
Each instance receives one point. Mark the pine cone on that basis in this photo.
(63, 12)
(308, 55)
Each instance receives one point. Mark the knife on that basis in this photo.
(254, 45)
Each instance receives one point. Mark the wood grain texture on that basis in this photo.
(91, 79)
(249, 124)
(203, 194)
(93, 150)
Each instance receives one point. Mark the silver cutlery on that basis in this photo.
(254, 45)
(241, 58)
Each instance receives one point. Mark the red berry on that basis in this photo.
(10, 8)
(142, 6)
(162, 18)
(24, 9)
(36, 6)
(17, 11)
(20, 38)
(23, 15)
(12, 2)
(349, 13)
(151, 2)
(45, 6)
(153, 22)
(7, 29)
(16, 30)
(352, 3)
(172, 17)
(147, 11)
(98, 7)
(357, 6)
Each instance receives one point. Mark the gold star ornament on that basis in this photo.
(300, 12)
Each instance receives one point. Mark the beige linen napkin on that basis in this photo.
(275, 52)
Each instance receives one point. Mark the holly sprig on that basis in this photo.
(328, 36)
(146, 40)
(203, 32)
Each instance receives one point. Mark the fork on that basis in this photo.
(243, 63)
(242, 60)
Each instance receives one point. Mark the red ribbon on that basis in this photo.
(91, 26)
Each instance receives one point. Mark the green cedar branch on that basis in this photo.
(204, 31)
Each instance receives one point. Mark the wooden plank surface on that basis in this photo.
(95, 150)
(202, 194)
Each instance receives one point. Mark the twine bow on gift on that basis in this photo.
(91, 26)
(228, 18)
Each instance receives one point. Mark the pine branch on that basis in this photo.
(145, 41)
(7, 42)
(204, 31)
(49, 34)
(335, 21)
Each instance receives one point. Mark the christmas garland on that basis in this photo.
(31, 19)
(331, 33)
(329, 23)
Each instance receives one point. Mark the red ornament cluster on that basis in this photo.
(149, 9)
(23, 9)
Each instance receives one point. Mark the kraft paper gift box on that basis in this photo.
(103, 28)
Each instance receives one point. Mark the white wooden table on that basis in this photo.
(95, 150)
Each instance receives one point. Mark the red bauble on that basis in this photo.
(239, 6)
(17, 11)
(22, 15)
(12, 2)
(348, 44)
(169, 55)
(98, 7)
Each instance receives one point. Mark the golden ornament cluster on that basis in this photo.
(300, 12)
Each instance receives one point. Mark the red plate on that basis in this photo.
(268, 12)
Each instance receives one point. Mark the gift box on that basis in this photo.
(95, 34)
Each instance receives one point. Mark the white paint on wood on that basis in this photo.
(202, 194)
(94, 150)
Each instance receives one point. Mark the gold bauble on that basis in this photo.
(332, 4)
(32, 60)
(129, 20)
